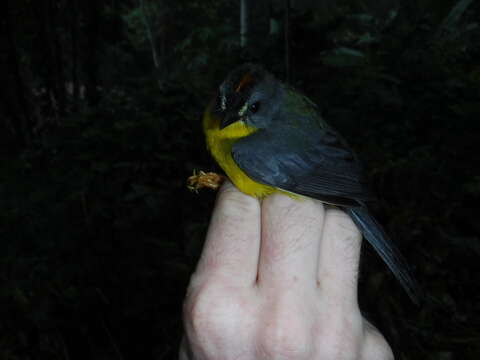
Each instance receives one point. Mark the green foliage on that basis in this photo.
(410, 107)
(99, 234)
(90, 236)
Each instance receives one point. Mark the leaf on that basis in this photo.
(139, 191)
(367, 39)
(453, 16)
(343, 57)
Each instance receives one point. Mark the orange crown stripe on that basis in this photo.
(247, 79)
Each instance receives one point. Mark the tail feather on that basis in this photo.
(376, 236)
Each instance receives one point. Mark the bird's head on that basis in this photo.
(250, 95)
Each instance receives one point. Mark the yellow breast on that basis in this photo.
(220, 142)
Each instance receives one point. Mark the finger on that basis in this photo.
(375, 346)
(233, 238)
(184, 352)
(339, 257)
(291, 231)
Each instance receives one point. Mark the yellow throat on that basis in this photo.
(220, 142)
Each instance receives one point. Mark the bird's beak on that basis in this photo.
(227, 120)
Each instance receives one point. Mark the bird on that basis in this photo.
(270, 138)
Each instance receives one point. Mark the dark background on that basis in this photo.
(100, 125)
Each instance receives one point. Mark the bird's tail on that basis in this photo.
(376, 236)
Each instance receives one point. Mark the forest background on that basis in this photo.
(100, 125)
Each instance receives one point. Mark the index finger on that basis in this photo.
(233, 239)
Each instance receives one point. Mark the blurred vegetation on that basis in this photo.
(100, 127)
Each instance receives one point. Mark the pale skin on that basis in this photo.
(277, 280)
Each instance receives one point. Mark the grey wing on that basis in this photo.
(321, 167)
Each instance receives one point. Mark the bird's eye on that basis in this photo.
(254, 107)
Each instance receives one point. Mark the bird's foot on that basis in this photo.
(202, 179)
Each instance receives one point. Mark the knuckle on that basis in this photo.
(210, 315)
(341, 339)
(285, 335)
(336, 348)
(376, 347)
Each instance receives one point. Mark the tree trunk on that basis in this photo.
(148, 30)
(58, 71)
(152, 41)
(244, 22)
(287, 42)
(74, 26)
(16, 101)
(91, 60)
(42, 11)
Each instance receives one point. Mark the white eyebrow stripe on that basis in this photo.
(243, 109)
(223, 103)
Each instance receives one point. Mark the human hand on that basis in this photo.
(278, 280)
